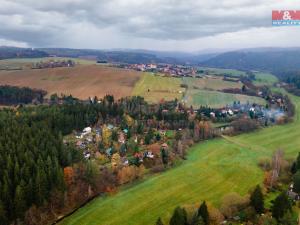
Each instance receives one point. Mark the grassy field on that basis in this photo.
(154, 88)
(210, 83)
(201, 91)
(264, 79)
(218, 71)
(213, 169)
(218, 99)
(82, 81)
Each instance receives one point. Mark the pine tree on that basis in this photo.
(164, 156)
(257, 200)
(294, 168)
(19, 202)
(296, 180)
(298, 161)
(3, 214)
(203, 213)
(281, 206)
(179, 217)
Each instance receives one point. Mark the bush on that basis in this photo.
(244, 125)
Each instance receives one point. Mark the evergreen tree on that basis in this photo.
(164, 156)
(140, 128)
(19, 202)
(298, 161)
(179, 217)
(281, 206)
(294, 168)
(203, 213)
(296, 180)
(257, 200)
(3, 214)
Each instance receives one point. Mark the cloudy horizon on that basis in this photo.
(169, 25)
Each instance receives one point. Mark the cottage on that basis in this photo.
(121, 138)
(110, 126)
(79, 136)
(87, 130)
(212, 114)
(87, 155)
(162, 132)
(293, 195)
(149, 154)
(230, 112)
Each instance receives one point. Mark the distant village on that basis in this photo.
(166, 69)
(53, 64)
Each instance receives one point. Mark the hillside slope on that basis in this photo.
(268, 60)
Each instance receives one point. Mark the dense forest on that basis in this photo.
(258, 59)
(10, 95)
(13, 52)
(31, 160)
(292, 78)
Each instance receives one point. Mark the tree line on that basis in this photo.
(10, 95)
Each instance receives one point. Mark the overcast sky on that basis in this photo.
(176, 25)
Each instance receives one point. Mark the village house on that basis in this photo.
(86, 131)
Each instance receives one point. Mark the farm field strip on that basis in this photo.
(82, 81)
(199, 91)
(218, 99)
(154, 88)
(264, 79)
(210, 83)
(218, 71)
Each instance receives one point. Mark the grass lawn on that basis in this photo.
(155, 88)
(218, 99)
(264, 79)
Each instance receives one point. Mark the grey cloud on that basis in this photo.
(44, 23)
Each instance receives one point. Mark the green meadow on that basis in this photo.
(155, 88)
(219, 71)
(264, 79)
(218, 99)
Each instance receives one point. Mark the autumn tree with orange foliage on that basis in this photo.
(130, 173)
(68, 175)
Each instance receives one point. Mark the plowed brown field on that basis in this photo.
(82, 81)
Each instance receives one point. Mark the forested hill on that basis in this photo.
(117, 56)
(12, 52)
(272, 60)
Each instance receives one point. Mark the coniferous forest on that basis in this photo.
(10, 95)
(31, 159)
